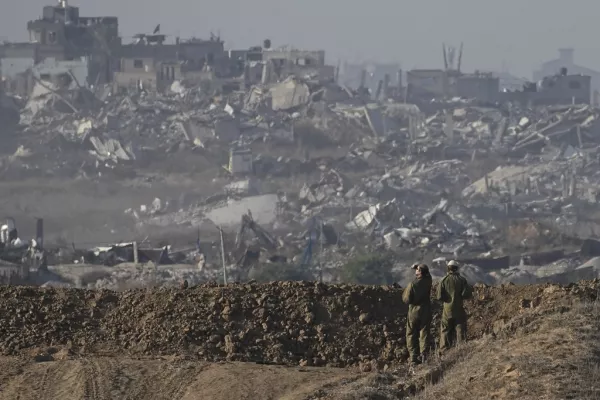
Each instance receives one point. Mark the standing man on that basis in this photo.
(418, 297)
(452, 291)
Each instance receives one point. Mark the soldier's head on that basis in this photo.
(421, 270)
(453, 265)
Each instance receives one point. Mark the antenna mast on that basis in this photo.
(460, 56)
(445, 56)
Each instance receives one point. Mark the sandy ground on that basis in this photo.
(120, 378)
(544, 344)
(551, 355)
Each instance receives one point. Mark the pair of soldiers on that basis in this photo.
(452, 290)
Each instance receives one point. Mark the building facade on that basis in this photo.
(484, 87)
(428, 82)
(560, 89)
(566, 59)
(63, 35)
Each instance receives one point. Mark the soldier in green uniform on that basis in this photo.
(418, 297)
(452, 290)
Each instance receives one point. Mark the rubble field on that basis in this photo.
(307, 324)
(507, 188)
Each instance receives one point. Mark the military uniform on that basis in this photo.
(418, 297)
(452, 290)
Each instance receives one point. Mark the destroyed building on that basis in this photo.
(428, 82)
(352, 75)
(268, 65)
(558, 89)
(63, 35)
(372, 169)
(484, 87)
(288, 62)
(153, 65)
(70, 41)
(509, 81)
(566, 59)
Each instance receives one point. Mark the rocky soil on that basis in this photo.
(310, 324)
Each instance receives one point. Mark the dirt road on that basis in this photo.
(119, 378)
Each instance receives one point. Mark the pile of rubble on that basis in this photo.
(441, 177)
(108, 130)
(284, 323)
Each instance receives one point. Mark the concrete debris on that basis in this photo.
(492, 185)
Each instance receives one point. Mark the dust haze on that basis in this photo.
(230, 200)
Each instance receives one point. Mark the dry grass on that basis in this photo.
(555, 356)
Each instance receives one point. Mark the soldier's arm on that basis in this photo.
(407, 295)
(439, 293)
(467, 292)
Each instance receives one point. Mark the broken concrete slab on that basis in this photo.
(289, 94)
(263, 208)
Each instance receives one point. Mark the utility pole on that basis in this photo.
(223, 256)
(321, 244)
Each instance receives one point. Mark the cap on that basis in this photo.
(453, 263)
(414, 266)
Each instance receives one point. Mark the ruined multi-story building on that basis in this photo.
(483, 86)
(560, 88)
(267, 65)
(428, 83)
(63, 35)
(62, 40)
(368, 76)
(566, 59)
(285, 62)
(152, 64)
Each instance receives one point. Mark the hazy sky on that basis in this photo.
(516, 34)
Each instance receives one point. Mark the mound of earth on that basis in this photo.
(550, 351)
(282, 323)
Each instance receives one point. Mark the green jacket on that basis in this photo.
(452, 290)
(418, 296)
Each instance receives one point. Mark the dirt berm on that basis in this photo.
(282, 323)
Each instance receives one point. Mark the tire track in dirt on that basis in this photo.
(117, 378)
(161, 379)
(44, 381)
(97, 385)
(182, 383)
(64, 382)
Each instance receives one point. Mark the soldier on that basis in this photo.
(452, 290)
(418, 297)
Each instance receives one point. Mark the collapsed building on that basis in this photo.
(62, 35)
(322, 171)
(423, 85)
(91, 48)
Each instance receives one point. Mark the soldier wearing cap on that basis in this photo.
(452, 291)
(418, 297)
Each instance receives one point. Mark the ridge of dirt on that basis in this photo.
(530, 342)
(294, 323)
(546, 353)
(550, 355)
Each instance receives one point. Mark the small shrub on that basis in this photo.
(280, 272)
(369, 269)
